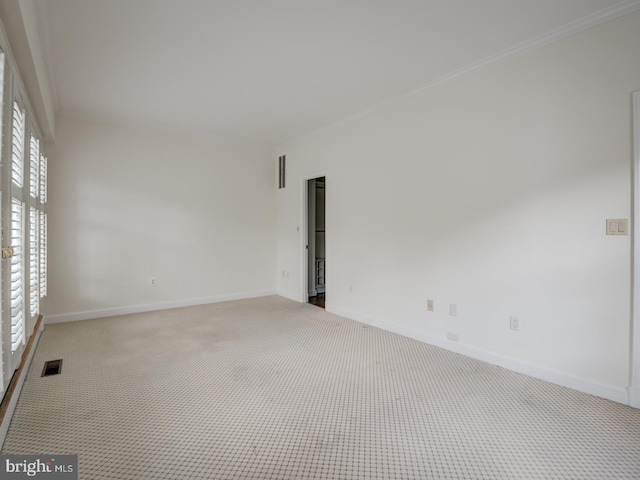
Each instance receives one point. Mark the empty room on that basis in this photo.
(320, 240)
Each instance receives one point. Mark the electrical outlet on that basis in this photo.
(152, 281)
(453, 310)
(430, 305)
(514, 323)
(454, 337)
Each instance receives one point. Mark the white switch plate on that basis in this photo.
(617, 226)
(430, 305)
(453, 310)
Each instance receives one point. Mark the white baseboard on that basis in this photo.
(609, 392)
(634, 397)
(288, 294)
(6, 420)
(112, 312)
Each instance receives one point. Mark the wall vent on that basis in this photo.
(281, 171)
(52, 367)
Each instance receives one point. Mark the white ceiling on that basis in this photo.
(272, 70)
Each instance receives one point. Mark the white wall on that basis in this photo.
(126, 205)
(489, 191)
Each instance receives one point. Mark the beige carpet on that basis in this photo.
(269, 388)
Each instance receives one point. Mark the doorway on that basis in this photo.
(316, 241)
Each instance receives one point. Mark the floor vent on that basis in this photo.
(52, 367)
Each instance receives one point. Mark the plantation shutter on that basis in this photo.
(43, 226)
(17, 232)
(34, 217)
(43, 254)
(34, 170)
(17, 146)
(43, 179)
(17, 282)
(34, 299)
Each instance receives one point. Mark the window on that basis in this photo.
(23, 216)
(42, 227)
(34, 298)
(17, 286)
(43, 179)
(34, 221)
(34, 170)
(17, 229)
(43, 254)
(17, 146)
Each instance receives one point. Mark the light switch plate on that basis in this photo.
(617, 226)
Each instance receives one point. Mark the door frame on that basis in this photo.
(634, 387)
(303, 229)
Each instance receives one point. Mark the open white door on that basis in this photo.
(307, 259)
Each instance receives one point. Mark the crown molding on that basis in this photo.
(573, 28)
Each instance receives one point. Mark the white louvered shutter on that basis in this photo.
(17, 146)
(34, 220)
(42, 177)
(17, 277)
(43, 254)
(34, 167)
(17, 230)
(34, 298)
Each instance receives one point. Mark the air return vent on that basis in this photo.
(282, 166)
(52, 367)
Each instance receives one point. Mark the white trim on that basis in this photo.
(584, 385)
(288, 294)
(152, 307)
(303, 293)
(590, 21)
(634, 397)
(634, 377)
(6, 420)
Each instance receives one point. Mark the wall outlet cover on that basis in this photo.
(617, 226)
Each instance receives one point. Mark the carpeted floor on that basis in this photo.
(269, 388)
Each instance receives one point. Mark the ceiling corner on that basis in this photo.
(22, 22)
